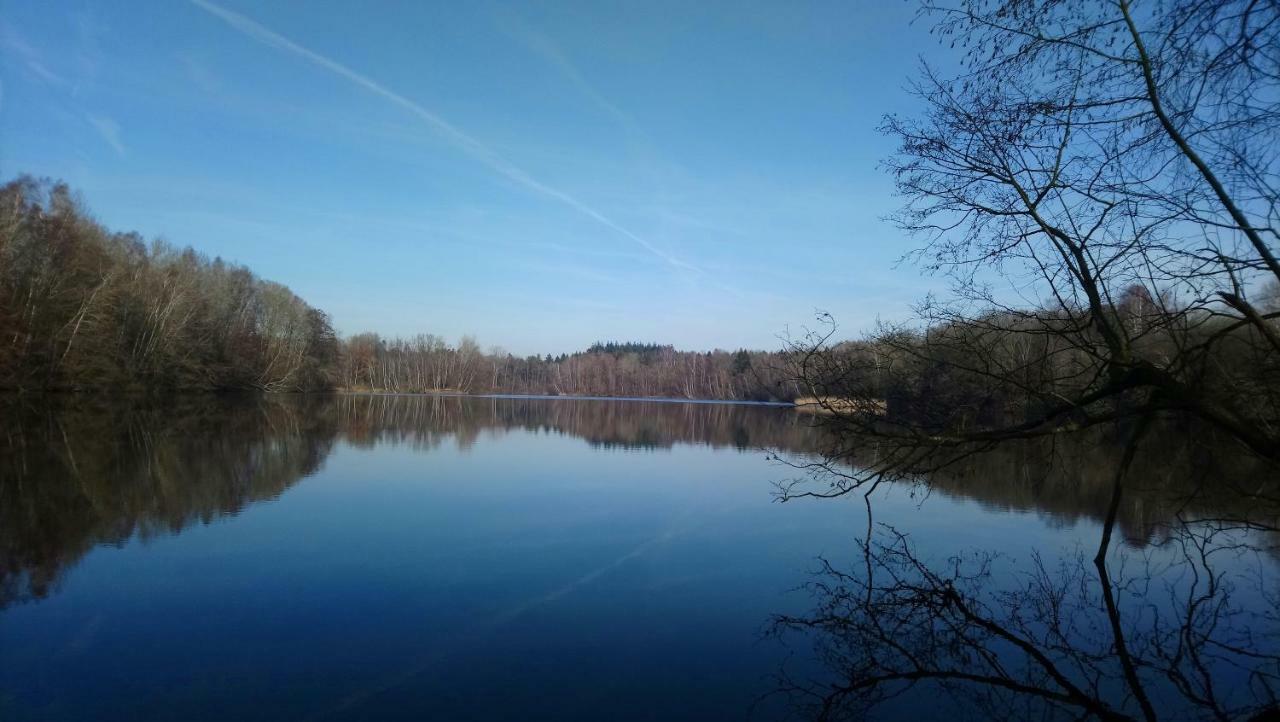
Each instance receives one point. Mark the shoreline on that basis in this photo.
(96, 393)
(563, 397)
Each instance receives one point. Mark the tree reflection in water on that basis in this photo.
(85, 471)
(1180, 621)
(1199, 623)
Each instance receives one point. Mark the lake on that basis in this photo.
(411, 557)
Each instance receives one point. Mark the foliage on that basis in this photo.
(82, 307)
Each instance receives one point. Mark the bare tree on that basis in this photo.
(81, 307)
(1116, 163)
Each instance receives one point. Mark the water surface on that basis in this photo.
(388, 557)
(411, 557)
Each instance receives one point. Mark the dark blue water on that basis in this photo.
(411, 557)
(422, 558)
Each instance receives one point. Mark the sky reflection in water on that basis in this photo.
(398, 557)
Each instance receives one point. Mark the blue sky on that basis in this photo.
(538, 175)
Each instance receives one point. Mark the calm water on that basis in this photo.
(380, 557)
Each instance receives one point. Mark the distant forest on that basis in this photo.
(86, 308)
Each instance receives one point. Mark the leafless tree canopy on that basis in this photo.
(1099, 180)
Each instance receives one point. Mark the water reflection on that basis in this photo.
(572, 533)
(86, 471)
(1176, 472)
(426, 421)
(95, 473)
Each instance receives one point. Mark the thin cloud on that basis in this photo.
(460, 139)
(18, 48)
(545, 48)
(109, 130)
(40, 71)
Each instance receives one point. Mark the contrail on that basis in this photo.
(465, 142)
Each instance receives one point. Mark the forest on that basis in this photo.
(86, 308)
(82, 307)
(427, 363)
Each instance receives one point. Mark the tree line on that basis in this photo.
(426, 363)
(83, 307)
(1025, 372)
